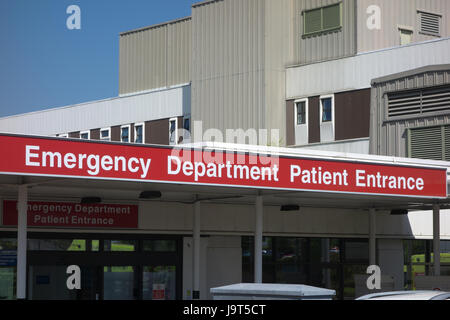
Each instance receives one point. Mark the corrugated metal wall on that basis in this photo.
(357, 72)
(228, 64)
(327, 46)
(155, 57)
(160, 104)
(389, 137)
(405, 15)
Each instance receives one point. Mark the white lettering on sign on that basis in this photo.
(381, 181)
(318, 176)
(92, 162)
(212, 170)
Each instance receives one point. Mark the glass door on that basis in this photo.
(49, 283)
(159, 283)
(7, 283)
(119, 283)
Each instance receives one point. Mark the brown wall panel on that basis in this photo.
(314, 121)
(74, 135)
(115, 133)
(290, 126)
(95, 134)
(352, 112)
(132, 133)
(157, 132)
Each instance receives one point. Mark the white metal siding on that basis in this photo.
(358, 71)
(100, 114)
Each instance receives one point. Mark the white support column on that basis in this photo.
(372, 238)
(196, 260)
(437, 240)
(258, 238)
(22, 242)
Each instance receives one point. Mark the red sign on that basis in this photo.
(75, 215)
(35, 156)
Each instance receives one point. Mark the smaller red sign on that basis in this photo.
(74, 215)
(159, 292)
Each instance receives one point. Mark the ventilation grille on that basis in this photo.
(430, 143)
(430, 23)
(419, 102)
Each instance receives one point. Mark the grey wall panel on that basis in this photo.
(155, 105)
(389, 137)
(279, 50)
(405, 15)
(228, 64)
(327, 46)
(155, 57)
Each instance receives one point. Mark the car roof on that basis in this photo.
(407, 295)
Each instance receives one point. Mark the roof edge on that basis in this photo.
(156, 25)
(413, 72)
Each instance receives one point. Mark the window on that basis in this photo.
(160, 245)
(187, 124)
(326, 109)
(120, 245)
(301, 112)
(323, 19)
(173, 132)
(406, 35)
(85, 135)
(105, 134)
(430, 23)
(63, 135)
(125, 133)
(429, 143)
(139, 133)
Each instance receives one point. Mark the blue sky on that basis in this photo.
(44, 65)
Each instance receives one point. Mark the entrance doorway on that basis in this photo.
(113, 267)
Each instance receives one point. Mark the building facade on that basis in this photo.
(355, 77)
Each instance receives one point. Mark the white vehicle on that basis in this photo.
(408, 295)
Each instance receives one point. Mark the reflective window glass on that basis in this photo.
(160, 245)
(120, 245)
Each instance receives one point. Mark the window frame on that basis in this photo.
(129, 133)
(296, 102)
(322, 30)
(86, 132)
(323, 97)
(109, 134)
(176, 130)
(140, 124)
